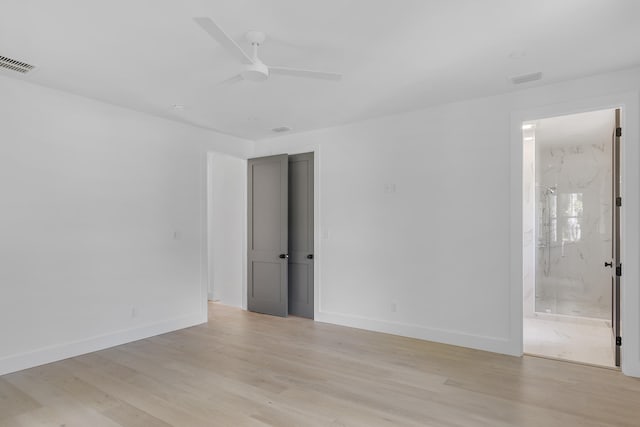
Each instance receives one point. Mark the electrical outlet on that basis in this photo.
(134, 312)
(394, 307)
(389, 188)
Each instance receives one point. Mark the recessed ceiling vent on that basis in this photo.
(15, 65)
(525, 78)
(281, 129)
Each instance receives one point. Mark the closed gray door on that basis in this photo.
(301, 235)
(267, 235)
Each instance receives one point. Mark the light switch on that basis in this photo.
(389, 188)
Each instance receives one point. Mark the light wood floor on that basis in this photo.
(248, 369)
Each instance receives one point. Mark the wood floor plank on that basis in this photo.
(14, 401)
(57, 406)
(247, 369)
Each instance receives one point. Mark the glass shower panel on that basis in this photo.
(573, 230)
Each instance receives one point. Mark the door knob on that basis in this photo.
(283, 256)
(608, 264)
(310, 256)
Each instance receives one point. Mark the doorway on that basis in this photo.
(571, 242)
(280, 231)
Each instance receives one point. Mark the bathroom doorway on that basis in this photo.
(571, 208)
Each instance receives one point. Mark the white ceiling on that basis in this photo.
(396, 55)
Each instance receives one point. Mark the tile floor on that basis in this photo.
(580, 307)
(579, 340)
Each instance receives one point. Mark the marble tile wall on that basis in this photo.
(573, 229)
(528, 218)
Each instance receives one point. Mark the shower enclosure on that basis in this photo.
(548, 226)
(573, 225)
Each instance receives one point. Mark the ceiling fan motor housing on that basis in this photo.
(256, 72)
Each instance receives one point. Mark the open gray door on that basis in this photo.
(615, 249)
(267, 287)
(301, 235)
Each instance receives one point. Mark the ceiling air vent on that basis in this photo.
(525, 78)
(281, 129)
(14, 65)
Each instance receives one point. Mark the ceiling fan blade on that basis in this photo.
(323, 75)
(227, 42)
(232, 80)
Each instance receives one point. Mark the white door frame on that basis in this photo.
(630, 214)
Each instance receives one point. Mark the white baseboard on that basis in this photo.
(479, 342)
(57, 352)
(631, 369)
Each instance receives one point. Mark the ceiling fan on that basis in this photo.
(254, 69)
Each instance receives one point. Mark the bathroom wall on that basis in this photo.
(573, 214)
(528, 219)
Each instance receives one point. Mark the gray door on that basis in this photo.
(301, 235)
(267, 235)
(615, 249)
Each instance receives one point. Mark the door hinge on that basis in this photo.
(618, 132)
(618, 201)
(619, 341)
(619, 270)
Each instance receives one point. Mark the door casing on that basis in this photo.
(629, 103)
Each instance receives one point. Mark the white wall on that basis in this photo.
(228, 181)
(446, 247)
(91, 196)
(101, 224)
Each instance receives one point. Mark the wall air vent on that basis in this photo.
(281, 129)
(15, 65)
(525, 78)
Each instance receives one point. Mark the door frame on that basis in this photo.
(630, 158)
